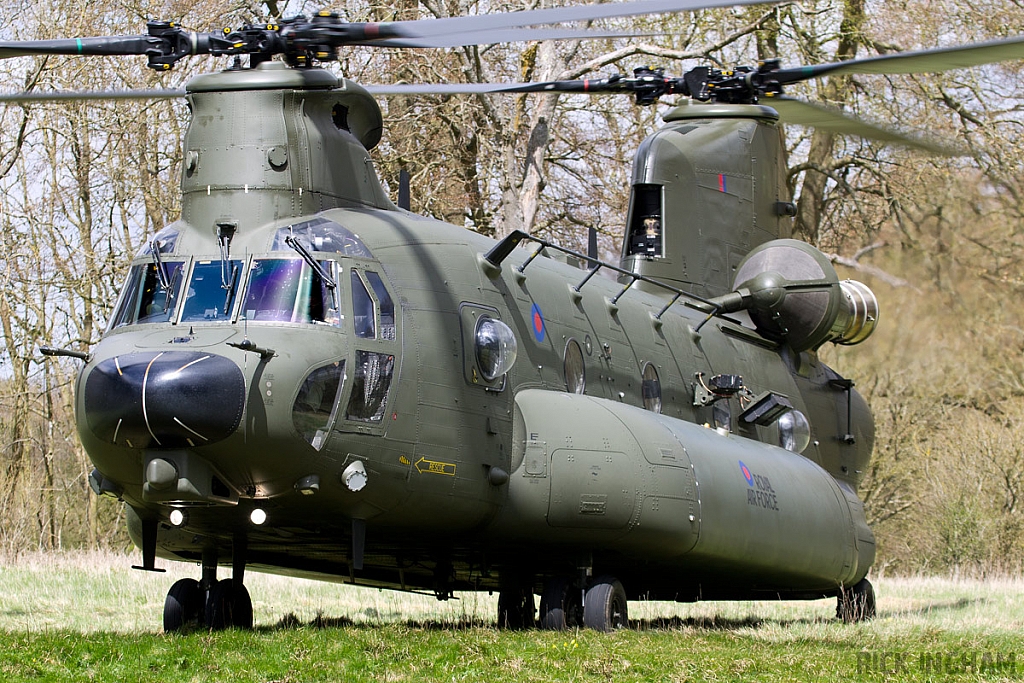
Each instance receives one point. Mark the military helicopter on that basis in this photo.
(301, 377)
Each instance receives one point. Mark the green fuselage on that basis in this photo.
(662, 500)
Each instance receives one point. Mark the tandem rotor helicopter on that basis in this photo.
(301, 377)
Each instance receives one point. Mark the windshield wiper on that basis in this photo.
(308, 258)
(161, 271)
(230, 287)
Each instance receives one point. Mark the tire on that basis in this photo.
(183, 606)
(856, 603)
(516, 608)
(228, 605)
(560, 605)
(605, 607)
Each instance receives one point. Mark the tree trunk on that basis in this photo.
(836, 91)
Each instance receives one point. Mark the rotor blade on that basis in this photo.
(921, 61)
(448, 88)
(453, 26)
(124, 45)
(826, 118)
(509, 36)
(66, 95)
(592, 86)
(645, 85)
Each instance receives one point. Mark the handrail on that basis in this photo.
(502, 249)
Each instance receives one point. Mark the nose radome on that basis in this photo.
(170, 399)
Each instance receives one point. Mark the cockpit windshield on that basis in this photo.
(289, 290)
(211, 291)
(148, 297)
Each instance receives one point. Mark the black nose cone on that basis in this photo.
(172, 399)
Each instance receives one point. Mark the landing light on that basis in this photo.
(258, 516)
(178, 517)
(308, 485)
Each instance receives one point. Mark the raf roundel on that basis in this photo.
(537, 319)
(746, 474)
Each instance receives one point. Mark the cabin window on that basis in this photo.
(575, 369)
(211, 291)
(288, 290)
(370, 386)
(650, 387)
(645, 236)
(315, 406)
(148, 296)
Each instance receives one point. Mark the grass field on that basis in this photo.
(72, 617)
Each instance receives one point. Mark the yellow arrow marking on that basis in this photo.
(434, 467)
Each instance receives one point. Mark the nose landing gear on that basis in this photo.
(184, 606)
(225, 604)
(211, 604)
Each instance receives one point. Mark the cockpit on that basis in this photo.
(263, 288)
(316, 273)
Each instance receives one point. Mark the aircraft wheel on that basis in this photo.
(516, 608)
(605, 607)
(228, 605)
(183, 606)
(856, 603)
(560, 606)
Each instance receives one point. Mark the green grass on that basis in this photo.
(82, 617)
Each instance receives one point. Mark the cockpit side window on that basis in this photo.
(363, 317)
(373, 318)
(288, 290)
(373, 307)
(146, 299)
(387, 306)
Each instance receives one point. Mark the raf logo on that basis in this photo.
(760, 492)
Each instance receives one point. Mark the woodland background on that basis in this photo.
(939, 239)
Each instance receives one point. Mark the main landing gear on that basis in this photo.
(209, 604)
(856, 603)
(564, 604)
